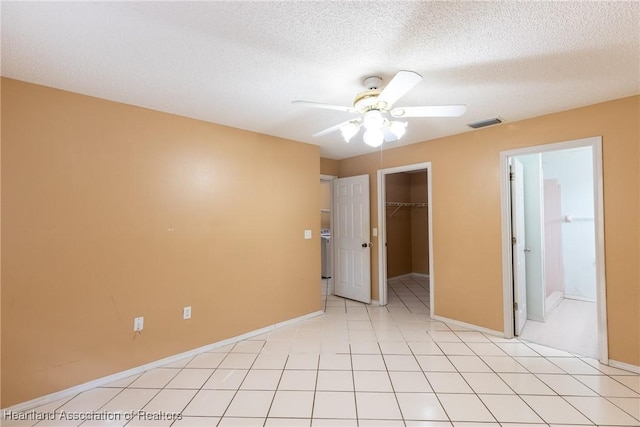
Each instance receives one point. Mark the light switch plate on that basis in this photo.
(374, 232)
(138, 324)
(307, 234)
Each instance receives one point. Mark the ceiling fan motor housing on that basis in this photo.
(372, 83)
(366, 101)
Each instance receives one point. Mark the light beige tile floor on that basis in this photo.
(368, 366)
(571, 326)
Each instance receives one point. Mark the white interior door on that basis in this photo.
(351, 242)
(518, 240)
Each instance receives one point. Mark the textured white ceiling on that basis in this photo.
(241, 63)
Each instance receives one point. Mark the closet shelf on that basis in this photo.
(399, 205)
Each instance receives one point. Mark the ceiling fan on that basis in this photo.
(375, 109)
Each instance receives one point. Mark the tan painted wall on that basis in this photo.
(325, 203)
(329, 167)
(398, 189)
(419, 225)
(112, 211)
(467, 248)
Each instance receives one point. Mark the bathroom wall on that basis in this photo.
(573, 171)
(554, 242)
(534, 237)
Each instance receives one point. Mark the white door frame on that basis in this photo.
(330, 179)
(382, 227)
(596, 146)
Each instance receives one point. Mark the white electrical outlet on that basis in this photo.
(138, 324)
(186, 313)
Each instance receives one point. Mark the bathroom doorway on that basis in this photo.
(563, 248)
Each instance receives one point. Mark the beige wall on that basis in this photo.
(467, 248)
(325, 204)
(419, 224)
(111, 211)
(398, 189)
(329, 167)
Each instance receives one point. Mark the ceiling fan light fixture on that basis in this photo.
(373, 137)
(398, 128)
(349, 130)
(373, 120)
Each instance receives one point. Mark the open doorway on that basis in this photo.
(554, 269)
(405, 251)
(326, 244)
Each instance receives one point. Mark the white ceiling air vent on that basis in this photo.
(484, 123)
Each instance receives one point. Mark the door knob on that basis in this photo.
(366, 245)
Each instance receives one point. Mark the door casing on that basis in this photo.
(518, 246)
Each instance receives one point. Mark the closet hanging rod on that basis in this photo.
(405, 204)
(399, 205)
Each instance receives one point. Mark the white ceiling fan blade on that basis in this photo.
(429, 111)
(325, 106)
(399, 85)
(335, 127)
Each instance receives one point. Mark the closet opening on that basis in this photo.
(405, 249)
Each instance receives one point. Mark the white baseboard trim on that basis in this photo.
(375, 302)
(408, 276)
(535, 317)
(626, 366)
(402, 276)
(470, 326)
(25, 406)
(579, 298)
(552, 301)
